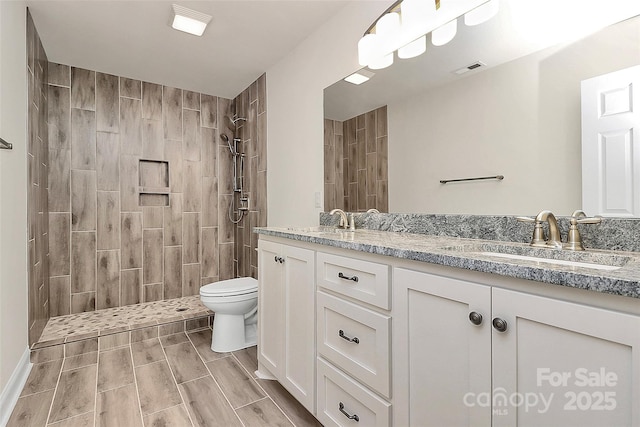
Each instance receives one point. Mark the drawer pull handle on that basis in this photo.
(346, 414)
(342, 276)
(355, 340)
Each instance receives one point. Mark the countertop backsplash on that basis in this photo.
(620, 234)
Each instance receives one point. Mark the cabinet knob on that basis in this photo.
(278, 259)
(475, 318)
(346, 414)
(354, 340)
(499, 324)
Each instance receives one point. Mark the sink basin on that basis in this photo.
(593, 260)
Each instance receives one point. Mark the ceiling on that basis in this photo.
(134, 38)
(520, 28)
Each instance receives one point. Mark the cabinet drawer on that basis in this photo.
(356, 339)
(363, 280)
(337, 391)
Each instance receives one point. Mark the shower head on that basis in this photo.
(233, 121)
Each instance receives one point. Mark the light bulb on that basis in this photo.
(482, 13)
(413, 49)
(381, 62)
(366, 49)
(446, 33)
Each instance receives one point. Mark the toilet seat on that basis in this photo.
(230, 288)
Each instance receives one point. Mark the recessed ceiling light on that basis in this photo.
(359, 77)
(189, 21)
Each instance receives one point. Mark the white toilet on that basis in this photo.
(235, 305)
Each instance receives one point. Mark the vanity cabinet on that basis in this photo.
(476, 355)
(353, 341)
(286, 321)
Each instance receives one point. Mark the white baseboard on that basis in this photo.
(12, 390)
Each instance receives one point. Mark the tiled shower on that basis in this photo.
(355, 162)
(139, 185)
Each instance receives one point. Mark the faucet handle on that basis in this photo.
(538, 238)
(525, 219)
(574, 239)
(590, 220)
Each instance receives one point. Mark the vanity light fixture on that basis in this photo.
(359, 77)
(404, 26)
(188, 20)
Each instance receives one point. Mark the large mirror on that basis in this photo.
(518, 115)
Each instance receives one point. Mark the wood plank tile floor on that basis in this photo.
(173, 380)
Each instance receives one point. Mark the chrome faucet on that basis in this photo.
(344, 221)
(539, 239)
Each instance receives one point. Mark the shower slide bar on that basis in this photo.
(498, 177)
(5, 145)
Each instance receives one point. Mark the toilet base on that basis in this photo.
(230, 333)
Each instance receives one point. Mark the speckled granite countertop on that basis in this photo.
(473, 254)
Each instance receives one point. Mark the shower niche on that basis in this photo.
(153, 182)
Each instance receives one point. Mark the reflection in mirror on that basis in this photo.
(517, 116)
(355, 162)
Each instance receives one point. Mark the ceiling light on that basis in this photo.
(404, 25)
(482, 13)
(359, 77)
(446, 33)
(189, 21)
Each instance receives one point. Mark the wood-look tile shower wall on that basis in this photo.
(355, 163)
(250, 105)
(37, 166)
(112, 245)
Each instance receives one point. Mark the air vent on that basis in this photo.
(475, 65)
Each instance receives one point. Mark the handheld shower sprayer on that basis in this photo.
(225, 138)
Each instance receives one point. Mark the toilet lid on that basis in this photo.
(239, 286)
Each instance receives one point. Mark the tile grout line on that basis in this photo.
(165, 409)
(265, 391)
(55, 391)
(176, 382)
(95, 399)
(70, 418)
(265, 397)
(216, 381)
(135, 381)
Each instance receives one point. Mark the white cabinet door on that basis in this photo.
(564, 364)
(611, 144)
(299, 330)
(271, 314)
(286, 317)
(440, 357)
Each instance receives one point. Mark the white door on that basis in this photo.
(441, 360)
(563, 364)
(610, 144)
